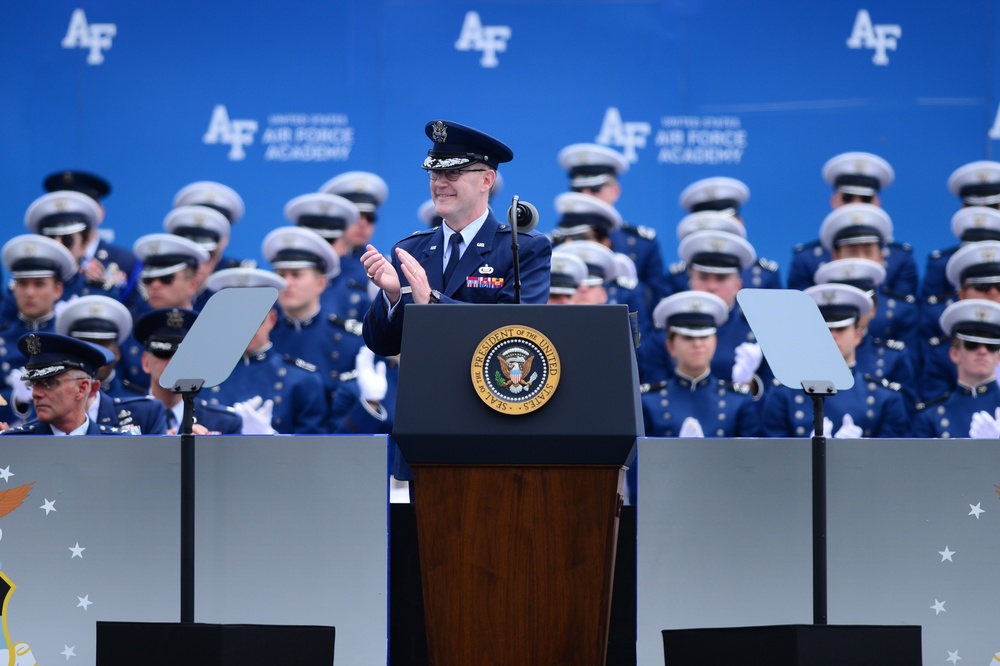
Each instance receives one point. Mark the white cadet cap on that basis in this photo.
(840, 304)
(427, 213)
(862, 174)
(854, 224)
(205, 226)
(716, 252)
(976, 183)
(165, 254)
(591, 165)
(976, 223)
(233, 278)
(864, 274)
(568, 272)
(62, 213)
(366, 190)
(972, 319)
(34, 255)
(626, 267)
(326, 214)
(718, 193)
(580, 213)
(214, 195)
(696, 314)
(709, 219)
(95, 317)
(974, 263)
(600, 261)
(299, 247)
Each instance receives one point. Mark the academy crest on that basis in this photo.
(515, 370)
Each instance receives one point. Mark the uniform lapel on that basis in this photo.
(433, 259)
(474, 256)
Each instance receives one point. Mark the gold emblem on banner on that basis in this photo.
(515, 370)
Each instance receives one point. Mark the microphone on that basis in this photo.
(523, 217)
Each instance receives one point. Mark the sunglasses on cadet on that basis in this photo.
(985, 287)
(971, 345)
(165, 279)
(846, 197)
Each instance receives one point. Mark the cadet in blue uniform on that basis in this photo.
(368, 192)
(210, 230)
(977, 184)
(305, 328)
(467, 259)
(971, 406)
(160, 332)
(567, 274)
(974, 271)
(871, 408)
(596, 170)
(38, 266)
(60, 371)
(291, 386)
(857, 178)
(726, 196)
(330, 215)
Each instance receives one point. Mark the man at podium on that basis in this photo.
(468, 259)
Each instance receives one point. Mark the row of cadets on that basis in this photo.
(857, 177)
(720, 196)
(272, 392)
(600, 266)
(566, 277)
(871, 408)
(971, 405)
(305, 328)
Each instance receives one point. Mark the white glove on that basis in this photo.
(748, 358)
(256, 415)
(827, 428)
(20, 394)
(372, 384)
(984, 426)
(691, 428)
(847, 429)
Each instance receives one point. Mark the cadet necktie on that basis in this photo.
(456, 243)
(171, 419)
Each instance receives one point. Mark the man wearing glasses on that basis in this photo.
(971, 407)
(467, 259)
(60, 373)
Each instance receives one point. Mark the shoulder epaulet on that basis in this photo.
(298, 362)
(134, 387)
(806, 246)
(422, 232)
(768, 264)
(937, 340)
(27, 427)
(347, 376)
(217, 408)
(897, 345)
(909, 298)
(882, 381)
(934, 299)
(940, 254)
(656, 386)
(132, 399)
(645, 232)
(677, 267)
(626, 282)
(905, 247)
(352, 326)
(920, 406)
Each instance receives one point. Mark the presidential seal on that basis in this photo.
(515, 370)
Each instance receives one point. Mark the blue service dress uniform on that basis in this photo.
(217, 419)
(873, 405)
(353, 417)
(146, 412)
(897, 317)
(722, 408)
(639, 244)
(347, 296)
(763, 274)
(950, 414)
(484, 274)
(36, 427)
(901, 276)
(937, 373)
(889, 360)
(300, 405)
(76, 286)
(935, 274)
(627, 291)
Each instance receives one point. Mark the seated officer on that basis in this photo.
(857, 178)
(105, 322)
(207, 228)
(974, 272)
(60, 371)
(971, 406)
(287, 386)
(871, 408)
(726, 196)
(305, 329)
(346, 294)
(567, 274)
(694, 402)
(161, 333)
(595, 170)
(368, 192)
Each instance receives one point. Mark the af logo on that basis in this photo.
(515, 370)
(880, 37)
(625, 135)
(93, 36)
(236, 133)
(489, 39)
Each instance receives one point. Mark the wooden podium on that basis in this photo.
(517, 514)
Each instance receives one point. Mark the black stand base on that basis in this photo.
(794, 645)
(171, 643)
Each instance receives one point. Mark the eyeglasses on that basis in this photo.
(49, 383)
(167, 280)
(985, 287)
(971, 345)
(847, 197)
(451, 175)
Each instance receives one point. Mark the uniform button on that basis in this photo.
(278, 386)
(799, 399)
(800, 431)
(282, 372)
(666, 416)
(277, 421)
(870, 414)
(722, 404)
(216, 389)
(337, 337)
(940, 409)
(664, 403)
(277, 399)
(946, 435)
(335, 355)
(720, 433)
(870, 400)
(799, 415)
(722, 417)
(945, 423)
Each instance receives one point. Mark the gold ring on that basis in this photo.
(370, 276)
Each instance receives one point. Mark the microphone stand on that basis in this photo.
(819, 390)
(512, 219)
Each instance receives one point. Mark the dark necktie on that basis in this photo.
(449, 270)
(171, 419)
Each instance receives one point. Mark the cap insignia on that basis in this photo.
(857, 217)
(439, 132)
(859, 166)
(175, 319)
(30, 249)
(324, 207)
(95, 309)
(829, 296)
(34, 345)
(980, 314)
(199, 220)
(242, 280)
(983, 176)
(696, 305)
(717, 244)
(989, 255)
(154, 248)
(978, 220)
(61, 205)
